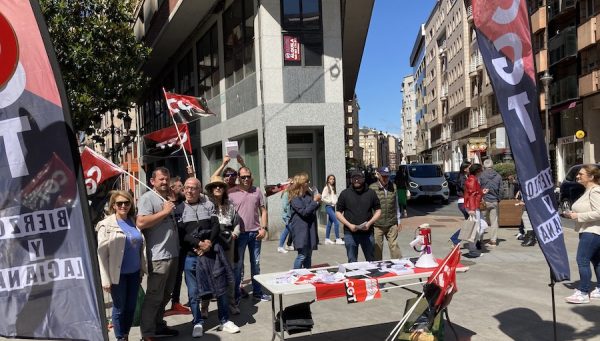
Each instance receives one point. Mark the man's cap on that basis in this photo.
(357, 174)
(384, 171)
(488, 163)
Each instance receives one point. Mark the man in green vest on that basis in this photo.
(388, 224)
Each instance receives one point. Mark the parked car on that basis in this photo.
(427, 180)
(452, 178)
(570, 189)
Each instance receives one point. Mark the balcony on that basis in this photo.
(589, 83)
(587, 33)
(541, 60)
(563, 90)
(538, 20)
(444, 92)
(561, 7)
(563, 45)
(470, 13)
(476, 63)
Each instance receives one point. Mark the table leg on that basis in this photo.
(274, 317)
(282, 337)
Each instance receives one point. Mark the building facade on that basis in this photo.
(408, 117)
(277, 74)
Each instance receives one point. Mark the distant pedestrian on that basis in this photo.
(285, 216)
(330, 200)
(473, 194)
(303, 220)
(122, 260)
(491, 181)
(388, 225)
(463, 173)
(401, 182)
(586, 213)
(358, 208)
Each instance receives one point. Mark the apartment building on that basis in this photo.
(375, 147)
(408, 117)
(394, 152)
(277, 74)
(353, 151)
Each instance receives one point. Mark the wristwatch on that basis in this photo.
(265, 228)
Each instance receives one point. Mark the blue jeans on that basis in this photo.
(366, 242)
(248, 239)
(192, 285)
(284, 234)
(588, 251)
(304, 258)
(124, 297)
(331, 219)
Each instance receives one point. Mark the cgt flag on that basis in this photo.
(166, 142)
(504, 39)
(185, 109)
(441, 285)
(49, 288)
(101, 177)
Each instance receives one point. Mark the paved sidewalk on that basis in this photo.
(504, 296)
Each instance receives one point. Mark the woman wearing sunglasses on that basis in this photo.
(122, 259)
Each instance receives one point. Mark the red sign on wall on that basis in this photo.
(291, 49)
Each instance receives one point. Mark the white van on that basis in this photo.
(426, 180)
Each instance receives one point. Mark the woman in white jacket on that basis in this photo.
(329, 197)
(586, 213)
(122, 258)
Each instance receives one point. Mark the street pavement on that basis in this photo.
(504, 296)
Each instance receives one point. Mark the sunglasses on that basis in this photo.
(218, 187)
(122, 203)
(229, 175)
(245, 177)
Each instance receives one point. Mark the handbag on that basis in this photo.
(468, 232)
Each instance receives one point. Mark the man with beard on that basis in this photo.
(155, 219)
(358, 208)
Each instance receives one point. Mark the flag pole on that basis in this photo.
(176, 128)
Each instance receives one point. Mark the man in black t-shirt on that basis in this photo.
(358, 208)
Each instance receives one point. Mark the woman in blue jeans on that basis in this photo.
(285, 216)
(330, 199)
(586, 211)
(303, 220)
(122, 260)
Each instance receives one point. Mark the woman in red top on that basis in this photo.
(472, 195)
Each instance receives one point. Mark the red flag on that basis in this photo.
(444, 277)
(96, 170)
(165, 142)
(272, 189)
(187, 108)
(361, 290)
(54, 174)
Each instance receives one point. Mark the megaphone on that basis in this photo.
(423, 240)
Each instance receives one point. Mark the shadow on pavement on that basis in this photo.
(526, 324)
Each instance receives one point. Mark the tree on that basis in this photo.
(99, 57)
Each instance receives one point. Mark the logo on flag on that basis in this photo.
(444, 280)
(185, 109)
(101, 177)
(361, 290)
(167, 141)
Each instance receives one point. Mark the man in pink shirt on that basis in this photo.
(250, 205)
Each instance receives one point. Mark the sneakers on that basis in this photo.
(198, 330)
(289, 247)
(229, 327)
(263, 298)
(180, 308)
(338, 241)
(490, 244)
(595, 294)
(578, 298)
(328, 241)
(281, 250)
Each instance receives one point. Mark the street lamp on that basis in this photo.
(546, 79)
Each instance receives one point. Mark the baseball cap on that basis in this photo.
(357, 174)
(384, 171)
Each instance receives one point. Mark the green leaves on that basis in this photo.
(99, 57)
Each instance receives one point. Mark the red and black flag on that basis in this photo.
(504, 39)
(49, 285)
(167, 142)
(185, 109)
(272, 189)
(444, 280)
(101, 176)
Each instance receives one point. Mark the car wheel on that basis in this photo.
(565, 205)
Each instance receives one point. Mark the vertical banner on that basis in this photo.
(291, 48)
(48, 283)
(504, 39)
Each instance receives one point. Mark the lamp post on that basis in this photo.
(546, 79)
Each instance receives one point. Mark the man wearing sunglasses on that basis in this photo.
(229, 174)
(155, 219)
(250, 205)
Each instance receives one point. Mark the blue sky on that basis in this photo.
(392, 33)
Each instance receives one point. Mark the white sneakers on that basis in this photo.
(579, 298)
(197, 331)
(229, 327)
(328, 241)
(281, 250)
(595, 294)
(338, 241)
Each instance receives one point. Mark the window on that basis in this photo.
(238, 40)
(207, 52)
(301, 25)
(185, 72)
